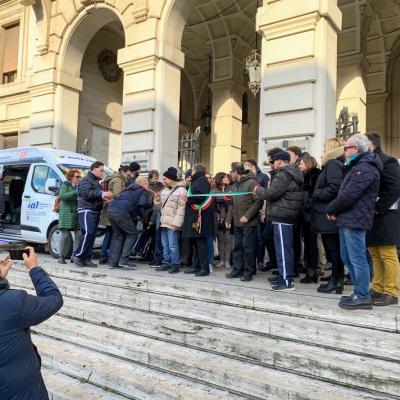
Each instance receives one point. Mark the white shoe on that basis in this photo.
(211, 267)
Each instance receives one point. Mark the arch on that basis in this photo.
(78, 35)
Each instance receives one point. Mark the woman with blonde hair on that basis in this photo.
(326, 190)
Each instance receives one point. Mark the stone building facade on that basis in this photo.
(125, 79)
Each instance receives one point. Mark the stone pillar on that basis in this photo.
(54, 110)
(299, 67)
(226, 129)
(351, 88)
(150, 125)
(377, 117)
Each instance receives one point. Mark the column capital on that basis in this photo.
(27, 3)
(355, 60)
(285, 17)
(228, 84)
(145, 55)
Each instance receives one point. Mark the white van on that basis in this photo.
(32, 177)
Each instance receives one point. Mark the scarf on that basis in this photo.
(352, 158)
(4, 285)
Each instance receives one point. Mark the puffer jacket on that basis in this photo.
(284, 196)
(245, 205)
(355, 204)
(90, 194)
(172, 206)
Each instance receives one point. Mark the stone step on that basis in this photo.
(330, 334)
(328, 365)
(299, 304)
(137, 381)
(63, 387)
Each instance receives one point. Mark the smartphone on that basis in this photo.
(18, 254)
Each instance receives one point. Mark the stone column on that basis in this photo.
(351, 87)
(151, 104)
(299, 69)
(54, 110)
(226, 129)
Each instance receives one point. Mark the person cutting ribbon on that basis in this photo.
(199, 220)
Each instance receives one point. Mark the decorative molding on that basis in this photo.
(141, 11)
(27, 3)
(144, 64)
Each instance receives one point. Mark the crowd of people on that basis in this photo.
(342, 213)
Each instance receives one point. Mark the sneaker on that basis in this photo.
(355, 303)
(283, 287)
(221, 264)
(127, 265)
(90, 264)
(163, 267)
(211, 267)
(78, 262)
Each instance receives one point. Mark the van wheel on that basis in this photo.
(54, 243)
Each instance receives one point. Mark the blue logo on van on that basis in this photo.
(34, 205)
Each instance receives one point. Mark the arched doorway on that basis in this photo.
(216, 37)
(90, 107)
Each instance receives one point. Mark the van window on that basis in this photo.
(40, 175)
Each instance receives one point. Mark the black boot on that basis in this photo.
(309, 279)
(61, 260)
(332, 286)
(202, 272)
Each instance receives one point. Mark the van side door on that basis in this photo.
(37, 203)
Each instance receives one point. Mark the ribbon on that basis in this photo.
(199, 208)
(221, 194)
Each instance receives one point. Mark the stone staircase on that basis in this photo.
(142, 335)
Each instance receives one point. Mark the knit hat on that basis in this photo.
(281, 155)
(134, 166)
(171, 173)
(188, 173)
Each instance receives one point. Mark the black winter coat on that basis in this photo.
(20, 376)
(310, 180)
(89, 193)
(355, 204)
(132, 200)
(326, 189)
(221, 206)
(246, 205)
(199, 185)
(386, 228)
(262, 179)
(285, 196)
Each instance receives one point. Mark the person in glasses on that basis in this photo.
(68, 214)
(353, 210)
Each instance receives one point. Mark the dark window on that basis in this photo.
(245, 109)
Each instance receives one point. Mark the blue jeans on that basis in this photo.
(105, 247)
(354, 255)
(170, 244)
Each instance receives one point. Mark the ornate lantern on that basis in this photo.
(253, 67)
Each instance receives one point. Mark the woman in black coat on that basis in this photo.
(199, 224)
(326, 190)
(308, 166)
(20, 376)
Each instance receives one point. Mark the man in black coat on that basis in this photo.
(90, 203)
(199, 220)
(20, 376)
(285, 201)
(353, 211)
(385, 234)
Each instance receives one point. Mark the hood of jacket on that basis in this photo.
(370, 158)
(294, 173)
(114, 175)
(246, 177)
(332, 155)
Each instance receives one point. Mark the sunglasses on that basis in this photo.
(349, 147)
(77, 176)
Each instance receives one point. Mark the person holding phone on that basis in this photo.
(20, 363)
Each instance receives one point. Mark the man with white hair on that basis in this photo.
(353, 210)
